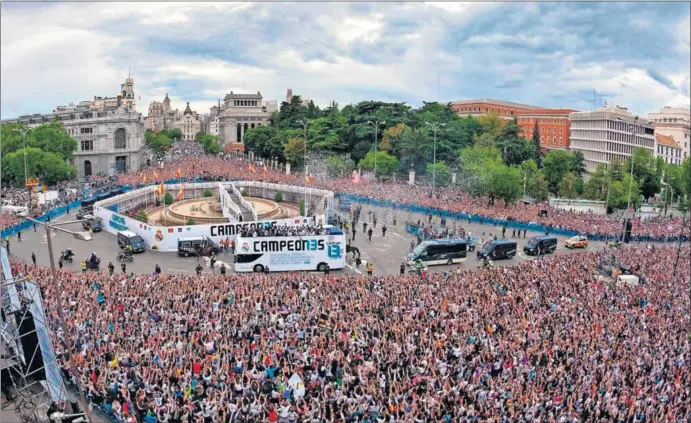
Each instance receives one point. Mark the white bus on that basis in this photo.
(291, 253)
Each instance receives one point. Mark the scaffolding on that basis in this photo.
(35, 379)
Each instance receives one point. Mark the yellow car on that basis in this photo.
(578, 241)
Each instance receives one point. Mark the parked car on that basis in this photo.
(578, 241)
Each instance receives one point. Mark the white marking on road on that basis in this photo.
(354, 269)
(177, 270)
(400, 236)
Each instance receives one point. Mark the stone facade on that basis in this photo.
(480, 107)
(553, 124)
(108, 131)
(609, 134)
(237, 114)
(161, 116)
(189, 123)
(674, 122)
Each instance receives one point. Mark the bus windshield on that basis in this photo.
(418, 250)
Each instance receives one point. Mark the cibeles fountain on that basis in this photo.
(207, 210)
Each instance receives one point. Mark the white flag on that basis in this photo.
(295, 382)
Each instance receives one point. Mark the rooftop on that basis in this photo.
(496, 102)
(542, 112)
(666, 141)
(257, 96)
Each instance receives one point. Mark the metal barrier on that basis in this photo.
(530, 226)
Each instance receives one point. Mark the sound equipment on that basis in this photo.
(30, 346)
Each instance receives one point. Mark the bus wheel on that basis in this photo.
(258, 268)
(450, 262)
(321, 267)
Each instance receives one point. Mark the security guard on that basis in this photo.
(370, 269)
(82, 265)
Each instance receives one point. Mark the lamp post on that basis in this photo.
(304, 126)
(634, 125)
(435, 126)
(82, 236)
(376, 127)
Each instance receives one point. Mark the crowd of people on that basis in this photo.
(452, 200)
(20, 197)
(545, 341)
(283, 230)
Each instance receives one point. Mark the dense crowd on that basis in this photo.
(545, 341)
(283, 230)
(20, 197)
(450, 199)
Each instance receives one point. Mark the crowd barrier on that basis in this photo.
(24, 225)
(531, 226)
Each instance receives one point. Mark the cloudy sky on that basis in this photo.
(546, 54)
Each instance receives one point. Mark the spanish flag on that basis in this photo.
(155, 176)
(160, 189)
(144, 179)
(265, 169)
(178, 173)
(181, 193)
(251, 169)
(307, 179)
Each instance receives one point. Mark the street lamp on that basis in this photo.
(435, 126)
(304, 125)
(376, 127)
(82, 236)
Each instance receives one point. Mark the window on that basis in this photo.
(561, 131)
(86, 130)
(119, 139)
(87, 145)
(554, 140)
(561, 141)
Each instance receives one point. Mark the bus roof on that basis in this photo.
(128, 234)
(445, 241)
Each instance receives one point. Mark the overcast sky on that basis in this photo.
(546, 54)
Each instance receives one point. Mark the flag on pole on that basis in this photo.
(144, 179)
(251, 169)
(155, 176)
(265, 169)
(181, 193)
(160, 189)
(307, 179)
(178, 173)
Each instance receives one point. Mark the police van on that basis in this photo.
(126, 238)
(440, 251)
(188, 246)
(291, 253)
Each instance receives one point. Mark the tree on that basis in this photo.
(208, 193)
(386, 163)
(476, 160)
(50, 168)
(567, 186)
(174, 134)
(686, 177)
(302, 207)
(646, 171)
(294, 151)
(209, 143)
(557, 164)
(577, 164)
(335, 166)
(514, 148)
(244, 192)
(596, 187)
(141, 215)
(278, 197)
(168, 198)
(265, 141)
(538, 187)
(414, 149)
(191, 222)
(491, 123)
(52, 138)
(157, 143)
(504, 183)
(485, 139)
(536, 144)
(440, 173)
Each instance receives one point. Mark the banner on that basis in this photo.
(297, 385)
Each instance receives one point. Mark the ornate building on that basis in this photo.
(161, 116)
(188, 122)
(109, 132)
(237, 114)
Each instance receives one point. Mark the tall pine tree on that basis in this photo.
(536, 145)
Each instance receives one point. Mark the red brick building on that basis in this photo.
(554, 126)
(476, 108)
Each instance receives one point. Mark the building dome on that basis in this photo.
(187, 111)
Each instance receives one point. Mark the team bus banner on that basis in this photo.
(290, 253)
